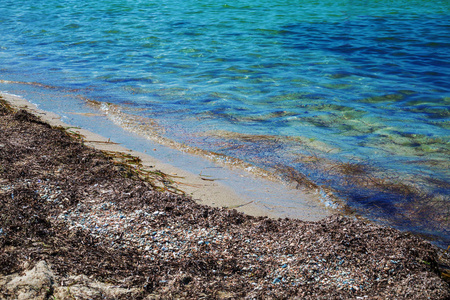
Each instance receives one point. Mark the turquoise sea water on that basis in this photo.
(351, 97)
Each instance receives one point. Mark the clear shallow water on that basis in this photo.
(354, 98)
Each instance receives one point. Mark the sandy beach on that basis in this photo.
(202, 188)
(84, 218)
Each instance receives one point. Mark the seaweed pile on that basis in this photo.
(85, 216)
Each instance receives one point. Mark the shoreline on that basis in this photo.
(202, 189)
(406, 203)
(76, 224)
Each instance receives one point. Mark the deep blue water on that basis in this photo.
(353, 95)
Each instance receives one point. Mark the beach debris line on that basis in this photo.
(159, 181)
(75, 215)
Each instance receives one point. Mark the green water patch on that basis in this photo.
(240, 136)
(170, 93)
(287, 97)
(263, 117)
(429, 101)
(332, 107)
(264, 79)
(354, 128)
(296, 143)
(408, 92)
(270, 65)
(432, 112)
(353, 114)
(445, 124)
(72, 26)
(301, 82)
(202, 77)
(241, 70)
(322, 120)
(409, 144)
(136, 90)
(221, 95)
(357, 125)
(347, 123)
(196, 81)
(237, 78)
(270, 31)
(395, 97)
(338, 86)
(113, 32)
(150, 45)
(246, 90)
(190, 50)
(340, 75)
(303, 100)
(175, 66)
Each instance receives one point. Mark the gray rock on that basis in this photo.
(36, 283)
(40, 283)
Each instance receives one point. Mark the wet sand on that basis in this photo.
(79, 223)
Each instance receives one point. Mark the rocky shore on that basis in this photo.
(78, 223)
